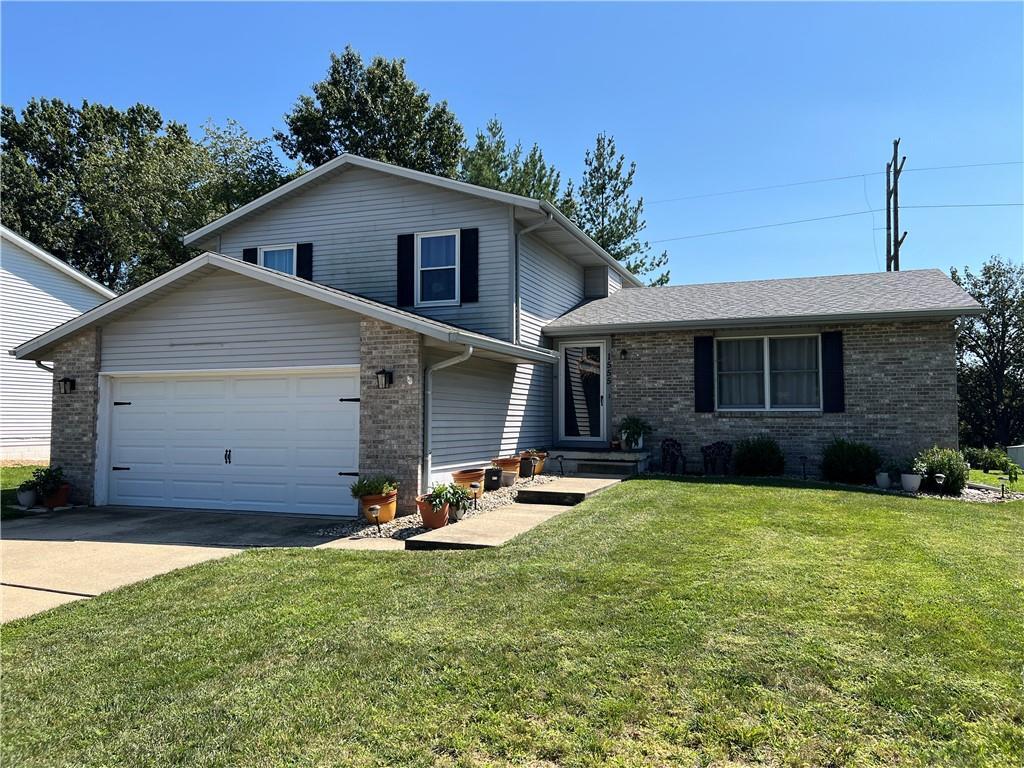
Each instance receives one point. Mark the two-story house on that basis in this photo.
(365, 318)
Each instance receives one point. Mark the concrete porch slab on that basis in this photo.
(491, 529)
(566, 491)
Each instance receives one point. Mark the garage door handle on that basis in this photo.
(348, 399)
(348, 474)
(119, 469)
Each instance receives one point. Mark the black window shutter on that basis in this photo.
(469, 265)
(406, 270)
(833, 395)
(304, 261)
(704, 374)
(249, 255)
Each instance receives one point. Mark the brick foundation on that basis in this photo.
(900, 382)
(73, 431)
(391, 420)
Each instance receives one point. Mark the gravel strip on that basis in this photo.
(406, 526)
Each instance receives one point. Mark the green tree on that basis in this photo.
(990, 369)
(491, 163)
(109, 191)
(603, 208)
(374, 111)
(243, 167)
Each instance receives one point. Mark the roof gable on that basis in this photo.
(50, 260)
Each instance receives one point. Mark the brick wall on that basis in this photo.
(73, 430)
(900, 381)
(391, 420)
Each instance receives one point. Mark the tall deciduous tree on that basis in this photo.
(109, 191)
(990, 371)
(243, 167)
(604, 209)
(375, 111)
(490, 162)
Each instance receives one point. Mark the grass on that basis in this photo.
(10, 479)
(661, 623)
(992, 478)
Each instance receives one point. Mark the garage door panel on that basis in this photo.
(289, 437)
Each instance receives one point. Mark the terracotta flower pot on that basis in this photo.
(432, 518)
(58, 498)
(388, 503)
(466, 476)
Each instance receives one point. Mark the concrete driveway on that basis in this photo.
(54, 558)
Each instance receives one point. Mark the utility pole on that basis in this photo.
(893, 238)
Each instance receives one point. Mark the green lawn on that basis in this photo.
(10, 479)
(992, 478)
(662, 623)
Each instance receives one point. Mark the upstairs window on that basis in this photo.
(279, 257)
(437, 268)
(768, 373)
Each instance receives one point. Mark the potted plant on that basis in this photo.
(51, 486)
(633, 430)
(883, 477)
(509, 466)
(492, 478)
(526, 465)
(435, 506)
(27, 493)
(911, 474)
(379, 490)
(466, 477)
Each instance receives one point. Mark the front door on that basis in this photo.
(582, 391)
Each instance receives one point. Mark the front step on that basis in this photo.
(565, 491)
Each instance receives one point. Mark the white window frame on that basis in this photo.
(295, 255)
(767, 374)
(458, 268)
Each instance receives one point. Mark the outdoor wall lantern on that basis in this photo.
(65, 385)
(385, 378)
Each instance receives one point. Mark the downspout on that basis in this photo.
(516, 335)
(40, 365)
(428, 409)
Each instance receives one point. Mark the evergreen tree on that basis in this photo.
(603, 208)
(490, 163)
(374, 111)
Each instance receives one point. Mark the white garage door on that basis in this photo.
(272, 443)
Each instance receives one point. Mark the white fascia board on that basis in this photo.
(53, 261)
(566, 223)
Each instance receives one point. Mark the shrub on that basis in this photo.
(991, 460)
(847, 461)
(378, 485)
(758, 456)
(48, 480)
(948, 462)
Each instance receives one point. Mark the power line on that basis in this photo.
(826, 180)
(833, 216)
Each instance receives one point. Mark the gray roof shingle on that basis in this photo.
(876, 295)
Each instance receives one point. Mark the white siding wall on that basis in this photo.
(481, 411)
(614, 281)
(34, 297)
(353, 220)
(226, 320)
(549, 286)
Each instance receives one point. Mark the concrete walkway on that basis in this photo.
(490, 529)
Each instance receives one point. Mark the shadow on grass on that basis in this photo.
(778, 482)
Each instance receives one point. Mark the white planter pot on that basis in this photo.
(882, 480)
(911, 482)
(627, 447)
(27, 498)
(459, 514)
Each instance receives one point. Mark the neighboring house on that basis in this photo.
(367, 319)
(38, 291)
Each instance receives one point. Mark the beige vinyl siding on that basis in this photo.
(549, 286)
(484, 408)
(224, 320)
(353, 220)
(34, 297)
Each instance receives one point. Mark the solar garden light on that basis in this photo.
(475, 488)
(1002, 486)
(534, 461)
(375, 514)
(940, 480)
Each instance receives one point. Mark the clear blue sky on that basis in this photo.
(705, 98)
